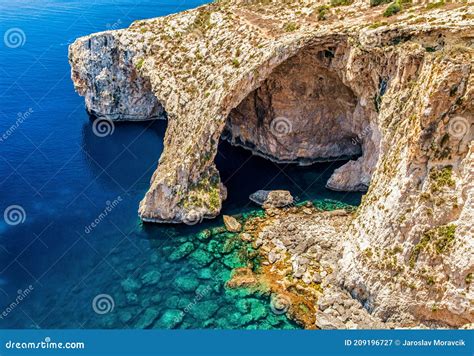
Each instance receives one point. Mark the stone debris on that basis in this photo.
(278, 199)
(231, 224)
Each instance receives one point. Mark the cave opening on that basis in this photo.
(305, 119)
(302, 113)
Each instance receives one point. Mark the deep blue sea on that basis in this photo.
(57, 178)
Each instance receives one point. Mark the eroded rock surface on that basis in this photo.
(398, 91)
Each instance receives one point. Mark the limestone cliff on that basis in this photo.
(300, 81)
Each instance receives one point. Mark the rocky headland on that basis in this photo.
(388, 85)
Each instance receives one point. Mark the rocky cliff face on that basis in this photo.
(300, 82)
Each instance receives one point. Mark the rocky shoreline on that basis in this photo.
(301, 251)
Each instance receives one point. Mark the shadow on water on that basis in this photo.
(125, 154)
(244, 173)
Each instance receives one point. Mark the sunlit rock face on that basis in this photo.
(397, 91)
(302, 113)
(109, 82)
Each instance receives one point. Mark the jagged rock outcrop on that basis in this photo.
(304, 83)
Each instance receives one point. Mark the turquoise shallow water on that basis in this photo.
(79, 256)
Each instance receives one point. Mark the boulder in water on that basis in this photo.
(259, 196)
(272, 198)
(231, 224)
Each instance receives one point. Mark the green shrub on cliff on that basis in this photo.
(139, 64)
(236, 63)
(291, 26)
(441, 178)
(379, 2)
(435, 5)
(392, 9)
(438, 239)
(322, 12)
(396, 7)
(335, 3)
(203, 20)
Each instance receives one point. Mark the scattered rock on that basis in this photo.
(147, 318)
(326, 321)
(231, 224)
(273, 257)
(337, 212)
(156, 298)
(132, 298)
(151, 278)
(204, 310)
(204, 235)
(259, 196)
(201, 258)
(170, 319)
(130, 285)
(307, 211)
(241, 278)
(181, 252)
(278, 199)
(246, 237)
(205, 273)
(258, 310)
(307, 277)
(317, 278)
(125, 317)
(186, 283)
(232, 261)
(172, 302)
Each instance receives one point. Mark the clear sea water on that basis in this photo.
(59, 271)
